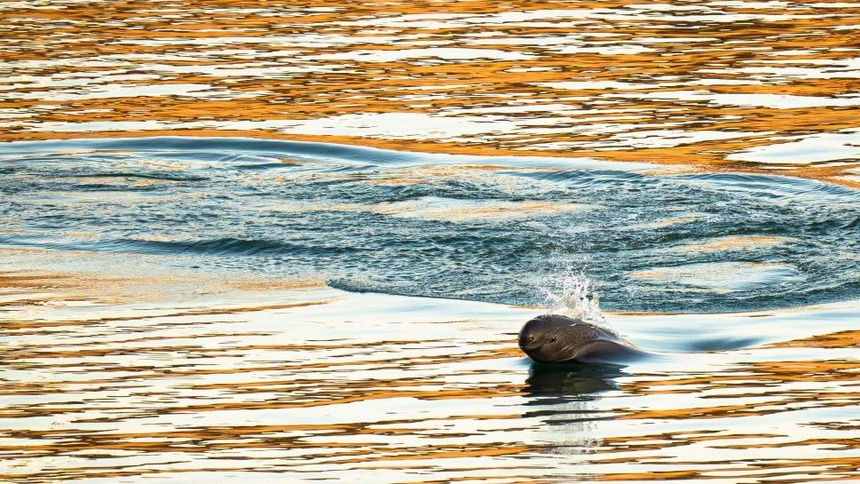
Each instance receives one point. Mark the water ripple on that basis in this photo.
(489, 228)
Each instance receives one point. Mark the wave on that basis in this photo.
(141, 176)
(483, 228)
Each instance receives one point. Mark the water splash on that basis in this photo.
(575, 297)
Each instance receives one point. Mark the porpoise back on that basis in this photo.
(553, 338)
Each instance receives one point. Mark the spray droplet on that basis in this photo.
(574, 296)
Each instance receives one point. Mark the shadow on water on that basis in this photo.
(565, 400)
(572, 380)
(721, 344)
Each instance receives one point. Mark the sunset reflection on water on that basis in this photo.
(313, 384)
(743, 86)
(121, 367)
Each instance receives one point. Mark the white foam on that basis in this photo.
(576, 298)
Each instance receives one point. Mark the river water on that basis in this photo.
(294, 243)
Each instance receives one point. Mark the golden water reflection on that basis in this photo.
(176, 377)
(720, 85)
(309, 383)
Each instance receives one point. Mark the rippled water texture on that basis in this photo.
(277, 242)
(721, 84)
(321, 385)
(497, 229)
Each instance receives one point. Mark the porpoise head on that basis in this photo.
(553, 338)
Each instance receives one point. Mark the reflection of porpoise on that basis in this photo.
(553, 338)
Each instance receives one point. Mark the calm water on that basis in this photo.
(295, 243)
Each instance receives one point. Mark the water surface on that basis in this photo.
(173, 310)
(718, 84)
(498, 229)
(321, 385)
(294, 243)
